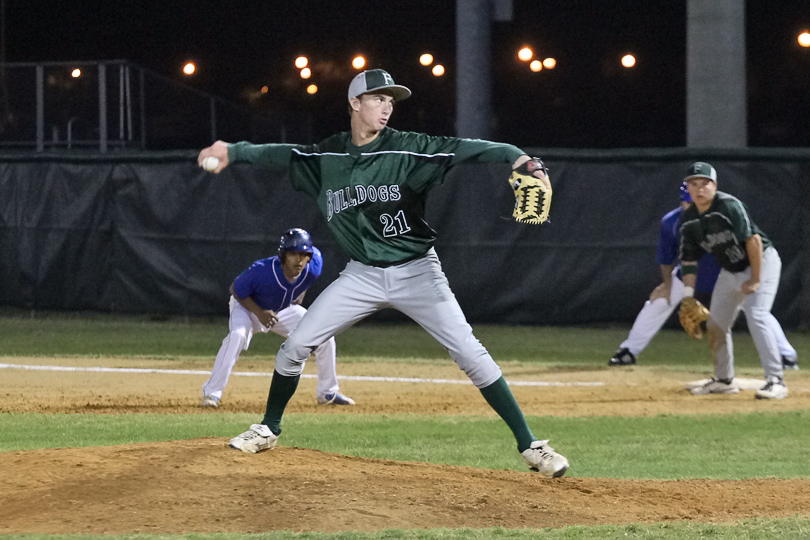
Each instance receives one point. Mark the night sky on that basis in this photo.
(587, 101)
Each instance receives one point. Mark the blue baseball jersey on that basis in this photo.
(265, 282)
(669, 240)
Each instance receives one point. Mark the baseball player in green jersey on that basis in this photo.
(371, 184)
(720, 224)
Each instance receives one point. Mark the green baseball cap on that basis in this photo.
(700, 169)
(376, 79)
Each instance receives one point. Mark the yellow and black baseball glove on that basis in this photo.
(693, 315)
(532, 195)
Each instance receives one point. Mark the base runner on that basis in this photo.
(267, 298)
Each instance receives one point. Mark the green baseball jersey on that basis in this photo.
(373, 196)
(722, 230)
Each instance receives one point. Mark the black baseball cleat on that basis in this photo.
(790, 363)
(622, 357)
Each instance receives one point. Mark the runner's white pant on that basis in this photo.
(243, 324)
(654, 314)
(652, 317)
(419, 289)
(728, 299)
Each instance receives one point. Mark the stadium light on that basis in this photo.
(549, 63)
(628, 60)
(306, 73)
(189, 68)
(525, 54)
(312, 89)
(301, 62)
(426, 59)
(804, 39)
(359, 62)
(536, 66)
(76, 73)
(438, 70)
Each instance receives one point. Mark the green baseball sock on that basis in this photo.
(500, 398)
(282, 389)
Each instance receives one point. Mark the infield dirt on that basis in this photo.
(202, 486)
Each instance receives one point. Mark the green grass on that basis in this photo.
(793, 528)
(105, 335)
(667, 447)
(664, 447)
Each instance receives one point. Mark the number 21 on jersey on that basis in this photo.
(394, 225)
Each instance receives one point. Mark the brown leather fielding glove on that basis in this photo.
(692, 315)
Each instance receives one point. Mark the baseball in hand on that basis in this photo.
(210, 163)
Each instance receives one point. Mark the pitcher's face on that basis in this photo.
(374, 110)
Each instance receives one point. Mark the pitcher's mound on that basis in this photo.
(203, 486)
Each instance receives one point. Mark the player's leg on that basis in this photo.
(358, 292)
(238, 340)
(725, 305)
(757, 307)
(648, 322)
(420, 290)
(328, 388)
(705, 298)
(790, 358)
(355, 294)
(446, 322)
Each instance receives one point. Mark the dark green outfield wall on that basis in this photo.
(152, 233)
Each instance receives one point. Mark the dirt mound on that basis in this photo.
(202, 486)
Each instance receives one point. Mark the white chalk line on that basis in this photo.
(304, 376)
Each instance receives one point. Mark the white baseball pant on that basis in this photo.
(654, 314)
(418, 288)
(728, 299)
(243, 324)
(652, 317)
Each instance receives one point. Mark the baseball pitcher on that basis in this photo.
(370, 185)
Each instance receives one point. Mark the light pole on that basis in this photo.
(2, 31)
(3, 88)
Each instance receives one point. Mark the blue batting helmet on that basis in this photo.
(294, 240)
(685, 197)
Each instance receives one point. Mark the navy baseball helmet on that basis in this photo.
(685, 197)
(294, 240)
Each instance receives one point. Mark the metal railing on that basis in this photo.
(114, 105)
